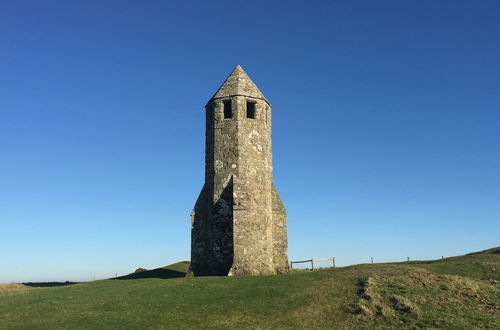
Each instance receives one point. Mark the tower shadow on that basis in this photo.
(48, 284)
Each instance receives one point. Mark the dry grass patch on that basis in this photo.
(415, 297)
(14, 288)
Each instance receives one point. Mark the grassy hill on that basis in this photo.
(172, 271)
(459, 292)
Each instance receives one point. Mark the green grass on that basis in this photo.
(460, 292)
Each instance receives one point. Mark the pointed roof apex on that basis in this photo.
(238, 83)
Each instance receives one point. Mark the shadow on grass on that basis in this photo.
(155, 273)
(48, 284)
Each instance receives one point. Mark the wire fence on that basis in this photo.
(312, 261)
(331, 262)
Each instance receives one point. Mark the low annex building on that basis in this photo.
(239, 221)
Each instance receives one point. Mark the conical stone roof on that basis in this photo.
(238, 83)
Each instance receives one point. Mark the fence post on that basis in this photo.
(372, 259)
(312, 264)
(291, 264)
(333, 262)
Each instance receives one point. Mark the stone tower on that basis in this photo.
(238, 222)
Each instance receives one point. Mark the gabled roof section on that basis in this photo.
(238, 83)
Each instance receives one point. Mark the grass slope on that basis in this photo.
(459, 292)
(172, 271)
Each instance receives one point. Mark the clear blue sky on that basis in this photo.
(386, 127)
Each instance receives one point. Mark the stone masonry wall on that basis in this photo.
(252, 195)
